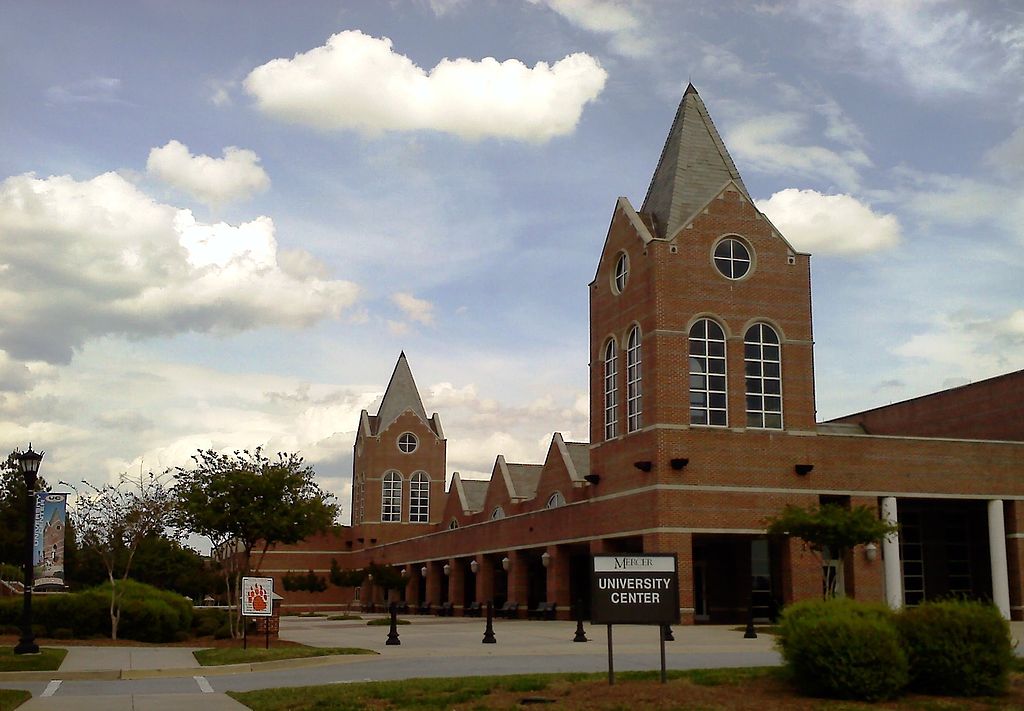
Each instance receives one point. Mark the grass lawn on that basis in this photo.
(386, 622)
(13, 698)
(48, 659)
(753, 689)
(237, 655)
(335, 618)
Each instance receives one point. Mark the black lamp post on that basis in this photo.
(28, 462)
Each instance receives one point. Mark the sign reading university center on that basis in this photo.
(635, 589)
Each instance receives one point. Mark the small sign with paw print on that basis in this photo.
(257, 594)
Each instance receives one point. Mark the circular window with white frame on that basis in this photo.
(733, 258)
(621, 274)
(407, 442)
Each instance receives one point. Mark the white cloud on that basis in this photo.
(969, 345)
(1008, 156)
(358, 82)
(99, 257)
(830, 224)
(94, 90)
(769, 144)
(213, 181)
(414, 309)
(935, 47)
(619, 19)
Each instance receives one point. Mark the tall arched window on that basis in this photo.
(391, 497)
(634, 384)
(555, 500)
(707, 374)
(419, 498)
(762, 355)
(611, 390)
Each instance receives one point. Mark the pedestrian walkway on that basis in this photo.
(134, 702)
(133, 658)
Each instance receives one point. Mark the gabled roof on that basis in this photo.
(401, 395)
(471, 493)
(693, 167)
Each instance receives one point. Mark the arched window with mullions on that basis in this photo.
(391, 497)
(707, 374)
(634, 381)
(762, 356)
(419, 498)
(611, 390)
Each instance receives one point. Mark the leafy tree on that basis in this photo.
(112, 521)
(246, 502)
(833, 527)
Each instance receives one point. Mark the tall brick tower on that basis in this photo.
(398, 465)
(700, 341)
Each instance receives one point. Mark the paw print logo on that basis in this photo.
(258, 598)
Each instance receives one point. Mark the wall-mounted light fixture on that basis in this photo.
(545, 559)
(871, 551)
(679, 463)
(447, 569)
(423, 571)
(644, 466)
(592, 478)
(474, 567)
(404, 573)
(803, 469)
(505, 563)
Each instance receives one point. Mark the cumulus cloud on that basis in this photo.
(830, 224)
(771, 144)
(99, 257)
(418, 310)
(357, 82)
(1008, 156)
(974, 346)
(213, 181)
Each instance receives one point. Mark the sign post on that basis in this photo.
(257, 601)
(635, 589)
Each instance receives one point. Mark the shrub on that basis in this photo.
(843, 649)
(206, 622)
(957, 648)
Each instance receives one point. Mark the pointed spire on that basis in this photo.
(694, 166)
(401, 395)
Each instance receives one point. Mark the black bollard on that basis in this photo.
(393, 634)
(489, 630)
(581, 636)
(751, 633)
(667, 631)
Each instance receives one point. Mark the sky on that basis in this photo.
(221, 222)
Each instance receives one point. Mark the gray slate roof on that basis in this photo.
(524, 479)
(475, 491)
(579, 453)
(401, 395)
(693, 168)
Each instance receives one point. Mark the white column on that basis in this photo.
(891, 557)
(997, 552)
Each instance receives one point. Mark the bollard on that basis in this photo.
(393, 634)
(750, 633)
(489, 630)
(581, 636)
(667, 631)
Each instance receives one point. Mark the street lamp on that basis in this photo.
(28, 463)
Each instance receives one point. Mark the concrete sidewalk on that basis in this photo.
(121, 658)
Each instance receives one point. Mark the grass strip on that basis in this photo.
(386, 622)
(443, 694)
(13, 698)
(236, 655)
(48, 659)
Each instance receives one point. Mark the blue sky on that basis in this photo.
(220, 223)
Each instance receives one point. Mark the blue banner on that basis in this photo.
(48, 540)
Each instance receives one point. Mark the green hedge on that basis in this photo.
(843, 649)
(957, 648)
(148, 614)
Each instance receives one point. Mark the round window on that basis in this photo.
(732, 258)
(621, 275)
(407, 442)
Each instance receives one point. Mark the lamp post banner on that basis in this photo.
(48, 540)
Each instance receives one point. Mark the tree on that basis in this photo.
(112, 521)
(246, 501)
(830, 527)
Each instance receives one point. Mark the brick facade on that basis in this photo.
(676, 485)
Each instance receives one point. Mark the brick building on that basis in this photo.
(702, 426)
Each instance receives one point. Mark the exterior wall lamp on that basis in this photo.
(644, 466)
(423, 571)
(447, 569)
(592, 478)
(505, 563)
(404, 573)
(545, 559)
(871, 551)
(474, 567)
(679, 463)
(803, 469)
